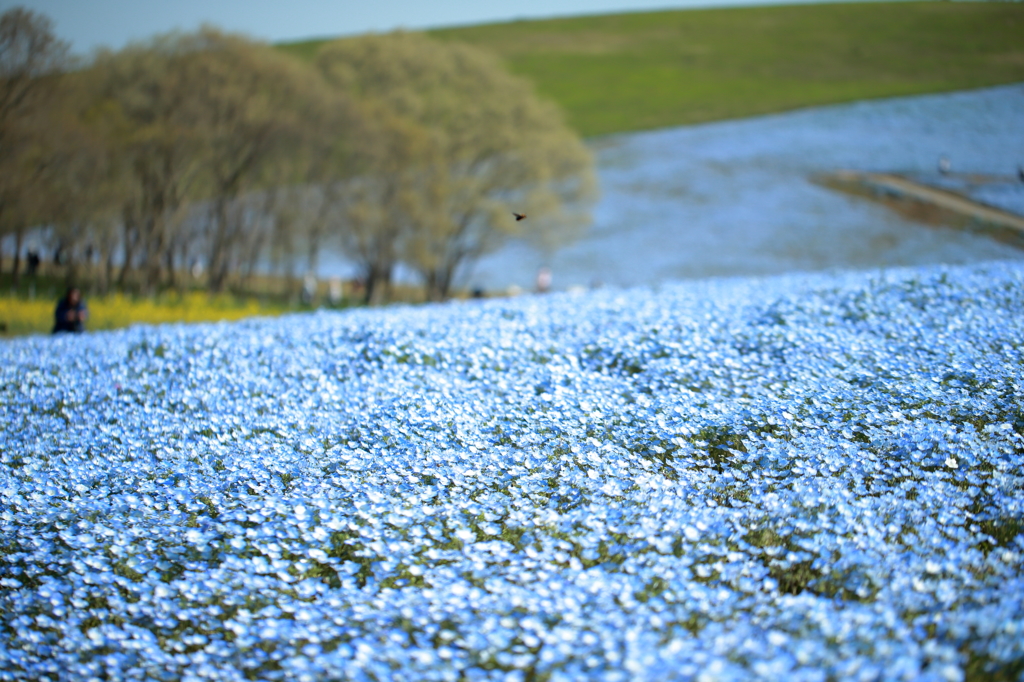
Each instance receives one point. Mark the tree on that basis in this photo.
(489, 146)
(257, 110)
(306, 209)
(205, 119)
(31, 57)
(85, 185)
(379, 200)
(148, 122)
(29, 54)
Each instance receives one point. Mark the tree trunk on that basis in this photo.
(378, 283)
(70, 264)
(108, 270)
(218, 265)
(155, 248)
(439, 282)
(16, 265)
(435, 291)
(70, 270)
(172, 280)
(130, 244)
(250, 260)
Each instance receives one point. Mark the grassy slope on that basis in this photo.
(615, 73)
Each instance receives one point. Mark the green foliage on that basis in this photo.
(1002, 529)
(31, 59)
(623, 72)
(796, 570)
(983, 669)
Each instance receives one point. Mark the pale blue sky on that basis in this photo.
(88, 24)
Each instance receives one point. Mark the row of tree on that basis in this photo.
(213, 151)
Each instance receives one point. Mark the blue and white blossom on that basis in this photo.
(805, 477)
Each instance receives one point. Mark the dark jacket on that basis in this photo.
(62, 323)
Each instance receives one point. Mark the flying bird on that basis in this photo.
(519, 216)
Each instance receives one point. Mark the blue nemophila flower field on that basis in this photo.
(805, 477)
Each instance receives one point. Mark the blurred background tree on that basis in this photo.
(211, 125)
(255, 109)
(31, 61)
(376, 201)
(141, 106)
(487, 146)
(209, 157)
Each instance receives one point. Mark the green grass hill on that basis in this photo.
(625, 72)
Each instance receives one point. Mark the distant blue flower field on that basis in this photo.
(804, 477)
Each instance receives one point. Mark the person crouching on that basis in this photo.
(71, 312)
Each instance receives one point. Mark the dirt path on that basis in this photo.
(902, 188)
(947, 200)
